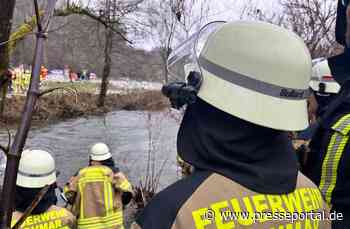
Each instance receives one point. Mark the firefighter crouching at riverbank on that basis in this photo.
(99, 192)
(246, 84)
(36, 170)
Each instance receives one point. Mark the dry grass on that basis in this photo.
(59, 105)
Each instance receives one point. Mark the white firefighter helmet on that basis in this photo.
(36, 169)
(100, 152)
(321, 79)
(255, 71)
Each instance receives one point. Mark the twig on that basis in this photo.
(80, 10)
(37, 15)
(60, 88)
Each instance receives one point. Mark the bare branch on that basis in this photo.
(6, 149)
(70, 90)
(100, 16)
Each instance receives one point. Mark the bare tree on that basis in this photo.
(14, 154)
(314, 21)
(108, 13)
(169, 21)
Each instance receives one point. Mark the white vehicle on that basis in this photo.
(56, 75)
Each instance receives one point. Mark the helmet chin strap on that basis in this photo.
(181, 93)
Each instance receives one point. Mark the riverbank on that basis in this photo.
(63, 105)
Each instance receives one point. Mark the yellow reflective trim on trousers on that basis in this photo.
(93, 220)
(331, 163)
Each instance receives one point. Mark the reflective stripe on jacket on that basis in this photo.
(54, 218)
(98, 200)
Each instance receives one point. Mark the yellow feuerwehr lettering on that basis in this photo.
(308, 224)
(313, 199)
(287, 226)
(292, 202)
(36, 219)
(319, 197)
(219, 219)
(238, 212)
(276, 203)
(52, 225)
(316, 223)
(45, 216)
(305, 197)
(200, 219)
(41, 226)
(261, 206)
(61, 213)
(250, 210)
(29, 220)
(58, 223)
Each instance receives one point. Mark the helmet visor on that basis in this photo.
(184, 58)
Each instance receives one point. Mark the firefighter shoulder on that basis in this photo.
(327, 163)
(324, 89)
(98, 192)
(249, 93)
(36, 170)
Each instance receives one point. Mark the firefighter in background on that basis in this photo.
(323, 85)
(242, 95)
(37, 170)
(327, 162)
(17, 81)
(43, 73)
(98, 192)
(26, 78)
(324, 89)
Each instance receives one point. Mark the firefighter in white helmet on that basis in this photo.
(324, 86)
(248, 87)
(98, 192)
(324, 90)
(36, 171)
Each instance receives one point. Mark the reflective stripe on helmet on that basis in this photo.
(252, 84)
(36, 175)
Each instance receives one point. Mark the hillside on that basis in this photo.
(78, 41)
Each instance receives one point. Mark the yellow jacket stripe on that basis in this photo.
(102, 225)
(93, 220)
(334, 152)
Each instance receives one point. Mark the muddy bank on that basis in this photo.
(61, 106)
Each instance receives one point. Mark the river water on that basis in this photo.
(131, 136)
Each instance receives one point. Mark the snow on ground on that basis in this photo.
(133, 84)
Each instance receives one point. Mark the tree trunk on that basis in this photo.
(166, 74)
(106, 68)
(3, 94)
(14, 155)
(6, 13)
